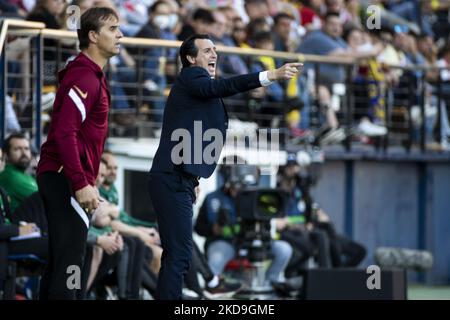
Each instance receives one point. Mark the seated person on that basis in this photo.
(125, 223)
(295, 228)
(130, 261)
(37, 246)
(14, 178)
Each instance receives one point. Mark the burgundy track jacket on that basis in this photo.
(79, 124)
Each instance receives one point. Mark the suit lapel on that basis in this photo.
(225, 110)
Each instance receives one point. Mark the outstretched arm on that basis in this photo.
(200, 84)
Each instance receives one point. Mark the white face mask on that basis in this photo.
(162, 21)
(173, 20)
(269, 20)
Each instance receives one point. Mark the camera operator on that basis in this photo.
(297, 228)
(217, 221)
(307, 227)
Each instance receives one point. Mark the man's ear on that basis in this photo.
(93, 36)
(191, 59)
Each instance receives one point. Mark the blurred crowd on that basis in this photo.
(412, 32)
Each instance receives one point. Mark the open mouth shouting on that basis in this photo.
(212, 66)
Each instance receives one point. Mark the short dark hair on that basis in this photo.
(256, 26)
(155, 6)
(282, 15)
(247, 2)
(331, 15)
(7, 143)
(188, 48)
(262, 36)
(203, 15)
(92, 20)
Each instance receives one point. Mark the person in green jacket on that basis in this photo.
(18, 184)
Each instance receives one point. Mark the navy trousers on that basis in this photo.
(173, 195)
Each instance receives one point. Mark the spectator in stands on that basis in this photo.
(317, 6)
(351, 13)
(309, 19)
(134, 13)
(125, 223)
(83, 4)
(255, 26)
(48, 12)
(14, 179)
(390, 56)
(282, 29)
(215, 287)
(328, 41)
(158, 63)
(336, 7)
(370, 81)
(2, 161)
(444, 62)
(429, 51)
(230, 65)
(239, 32)
(230, 15)
(201, 23)
(12, 123)
(36, 246)
(258, 9)
(263, 40)
(11, 10)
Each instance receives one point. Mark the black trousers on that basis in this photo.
(172, 195)
(135, 263)
(310, 243)
(344, 251)
(67, 234)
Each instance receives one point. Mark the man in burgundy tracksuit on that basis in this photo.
(70, 157)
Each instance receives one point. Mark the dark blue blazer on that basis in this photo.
(196, 97)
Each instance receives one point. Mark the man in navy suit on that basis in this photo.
(193, 134)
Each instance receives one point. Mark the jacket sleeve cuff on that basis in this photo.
(264, 78)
